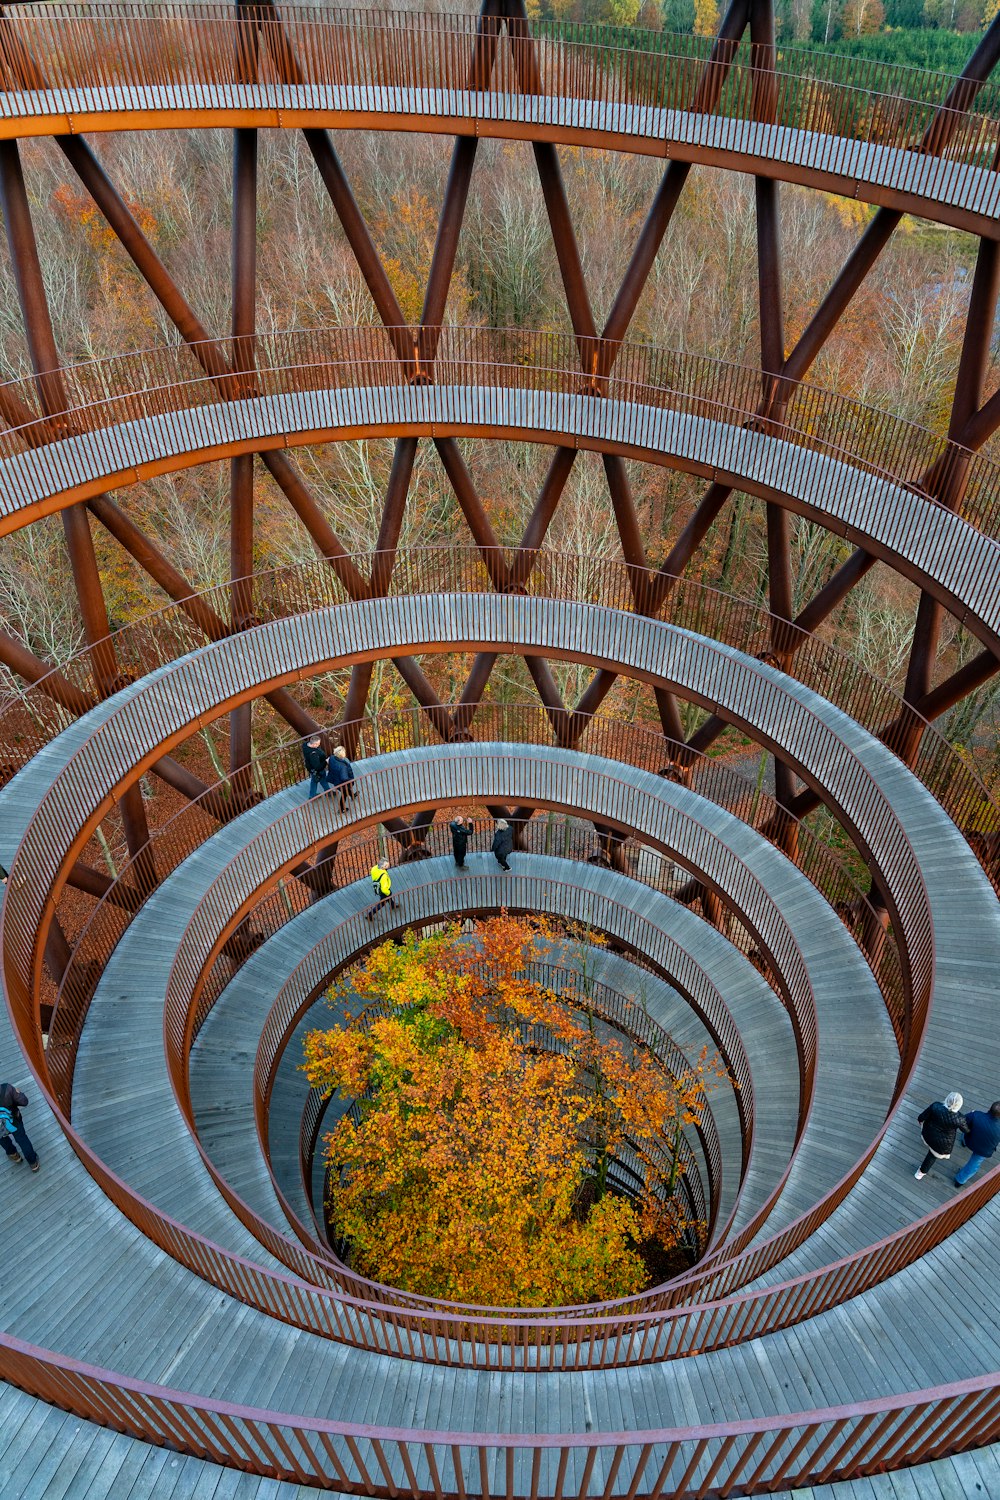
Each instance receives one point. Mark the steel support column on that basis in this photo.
(968, 396)
(244, 326)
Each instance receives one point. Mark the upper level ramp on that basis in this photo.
(913, 141)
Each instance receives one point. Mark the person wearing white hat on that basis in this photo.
(939, 1125)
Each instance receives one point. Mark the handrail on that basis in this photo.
(105, 67)
(757, 1455)
(156, 640)
(927, 505)
(271, 773)
(162, 381)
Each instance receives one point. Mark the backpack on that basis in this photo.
(381, 881)
(7, 1122)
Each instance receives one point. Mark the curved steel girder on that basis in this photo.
(839, 496)
(796, 167)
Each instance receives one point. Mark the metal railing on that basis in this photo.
(750, 1457)
(55, 702)
(139, 875)
(625, 88)
(299, 375)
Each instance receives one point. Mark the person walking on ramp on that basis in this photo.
(460, 830)
(503, 843)
(939, 1124)
(982, 1137)
(341, 774)
(382, 886)
(12, 1131)
(315, 758)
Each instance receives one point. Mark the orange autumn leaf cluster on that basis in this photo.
(473, 1165)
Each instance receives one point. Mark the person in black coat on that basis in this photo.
(341, 774)
(460, 830)
(503, 843)
(12, 1131)
(982, 1137)
(315, 758)
(939, 1125)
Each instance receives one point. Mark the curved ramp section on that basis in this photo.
(699, 428)
(904, 140)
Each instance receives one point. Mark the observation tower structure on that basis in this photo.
(174, 1320)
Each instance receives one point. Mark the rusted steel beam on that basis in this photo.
(772, 359)
(627, 521)
(963, 91)
(475, 515)
(203, 347)
(353, 716)
(661, 211)
(16, 656)
(456, 191)
(174, 775)
(324, 537)
(972, 367)
(362, 246)
(95, 883)
(244, 324)
(145, 259)
(958, 686)
(181, 590)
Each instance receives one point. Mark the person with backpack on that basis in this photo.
(382, 886)
(315, 758)
(939, 1124)
(12, 1131)
(982, 1137)
(460, 830)
(341, 776)
(503, 843)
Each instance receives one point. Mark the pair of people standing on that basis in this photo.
(336, 773)
(502, 846)
(940, 1124)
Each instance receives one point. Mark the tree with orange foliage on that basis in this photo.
(487, 1110)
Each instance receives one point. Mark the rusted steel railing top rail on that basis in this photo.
(752, 1456)
(920, 138)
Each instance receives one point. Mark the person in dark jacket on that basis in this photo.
(939, 1125)
(315, 758)
(982, 1137)
(460, 830)
(503, 843)
(341, 774)
(12, 1131)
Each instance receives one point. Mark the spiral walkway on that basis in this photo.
(175, 1324)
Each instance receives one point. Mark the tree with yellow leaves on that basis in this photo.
(474, 1163)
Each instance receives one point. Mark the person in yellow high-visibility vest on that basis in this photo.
(382, 886)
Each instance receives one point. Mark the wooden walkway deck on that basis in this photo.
(948, 191)
(106, 1295)
(936, 548)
